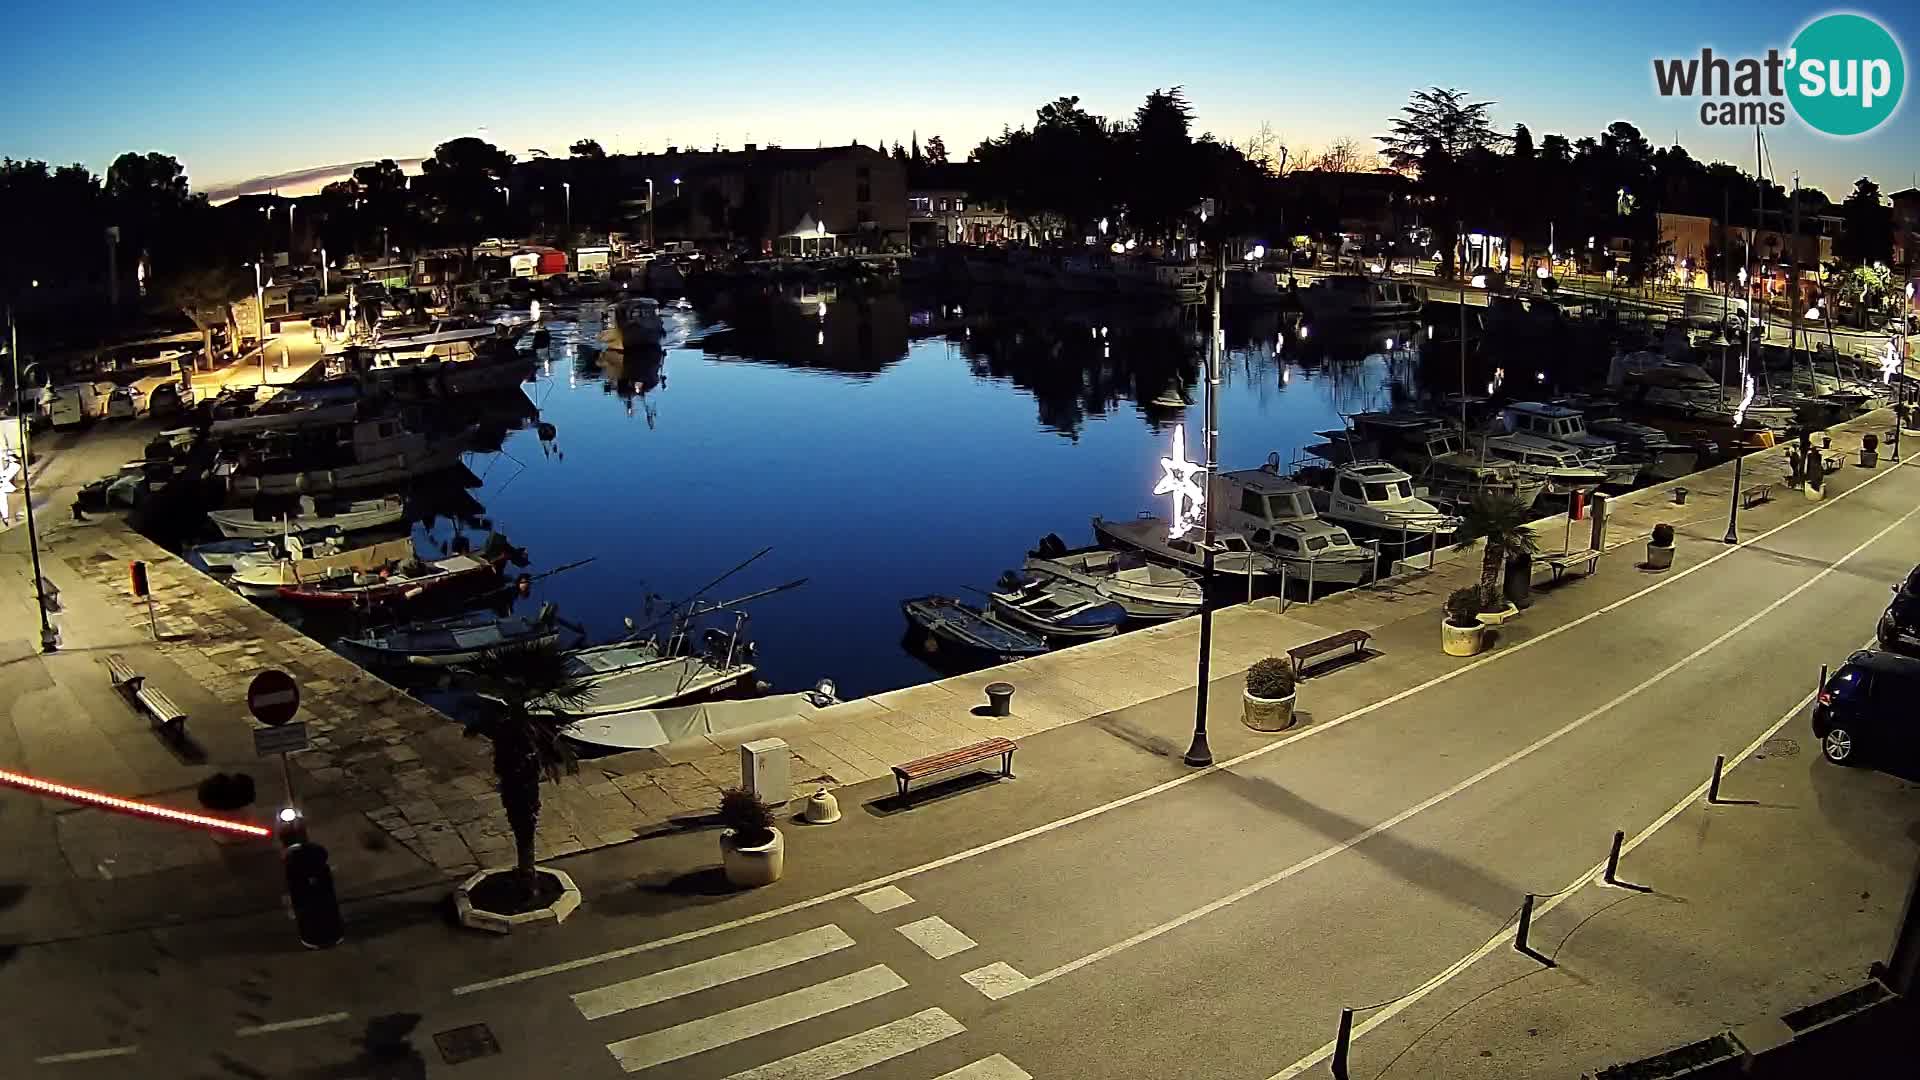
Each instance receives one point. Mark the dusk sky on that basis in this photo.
(243, 91)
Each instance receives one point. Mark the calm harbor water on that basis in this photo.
(885, 444)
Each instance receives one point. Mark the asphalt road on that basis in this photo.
(1212, 926)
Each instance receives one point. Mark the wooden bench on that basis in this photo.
(1562, 561)
(920, 768)
(166, 716)
(1755, 494)
(1300, 654)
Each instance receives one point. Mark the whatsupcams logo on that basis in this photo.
(1843, 75)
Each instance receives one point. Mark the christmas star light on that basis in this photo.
(1177, 479)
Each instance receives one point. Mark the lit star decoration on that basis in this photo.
(1178, 481)
(1890, 361)
(1740, 414)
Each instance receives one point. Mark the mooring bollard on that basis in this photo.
(1000, 698)
(1613, 858)
(1526, 924)
(1340, 1043)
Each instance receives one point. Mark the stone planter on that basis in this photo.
(1814, 494)
(1495, 618)
(479, 918)
(1267, 714)
(1462, 640)
(1659, 557)
(751, 867)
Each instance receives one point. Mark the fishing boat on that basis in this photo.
(1377, 498)
(1452, 468)
(1356, 298)
(371, 453)
(312, 513)
(1149, 591)
(397, 582)
(1565, 427)
(1562, 467)
(627, 675)
(634, 324)
(265, 576)
(944, 623)
(1667, 458)
(457, 639)
(644, 729)
(1232, 556)
(224, 556)
(1055, 610)
(1277, 517)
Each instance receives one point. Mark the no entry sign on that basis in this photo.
(273, 697)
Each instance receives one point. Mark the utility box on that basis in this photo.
(765, 770)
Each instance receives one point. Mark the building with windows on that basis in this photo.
(941, 209)
(768, 199)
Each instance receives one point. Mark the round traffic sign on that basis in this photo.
(273, 697)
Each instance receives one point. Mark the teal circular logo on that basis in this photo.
(1847, 76)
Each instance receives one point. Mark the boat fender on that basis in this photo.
(932, 644)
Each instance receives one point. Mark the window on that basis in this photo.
(1252, 502)
(1286, 543)
(1378, 493)
(1262, 536)
(1405, 488)
(946, 204)
(1182, 545)
(960, 204)
(1316, 543)
(1233, 543)
(1850, 684)
(920, 204)
(1351, 488)
(1340, 538)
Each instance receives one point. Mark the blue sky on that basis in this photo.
(237, 91)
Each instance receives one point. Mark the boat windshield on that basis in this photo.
(1378, 493)
(1316, 543)
(1233, 543)
(1340, 538)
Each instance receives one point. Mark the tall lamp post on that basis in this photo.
(260, 318)
(1199, 754)
(566, 189)
(49, 641)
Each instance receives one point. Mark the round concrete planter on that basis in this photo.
(1659, 556)
(752, 867)
(478, 918)
(1814, 494)
(1495, 618)
(1267, 714)
(1462, 640)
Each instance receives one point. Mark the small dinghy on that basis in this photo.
(1148, 591)
(947, 623)
(628, 675)
(225, 556)
(457, 639)
(643, 729)
(312, 513)
(1055, 610)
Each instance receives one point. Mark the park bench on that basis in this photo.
(166, 716)
(1559, 562)
(920, 768)
(1755, 494)
(1301, 654)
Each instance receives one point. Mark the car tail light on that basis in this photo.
(1826, 697)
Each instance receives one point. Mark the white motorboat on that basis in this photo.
(373, 453)
(222, 556)
(1147, 590)
(1451, 468)
(1562, 467)
(1568, 428)
(628, 675)
(1055, 610)
(1276, 516)
(1355, 298)
(312, 514)
(1377, 497)
(1666, 459)
(1232, 557)
(635, 324)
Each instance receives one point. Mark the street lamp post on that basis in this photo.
(566, 189)
(649, 211)
(260, 319)
(49, 641)
(1199, 754)
(324, 291)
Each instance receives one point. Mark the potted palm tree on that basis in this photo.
(752, 851)
(1660, 547)
(1268, 705)
(1500, 521)
(527, 749)
(1461, 632)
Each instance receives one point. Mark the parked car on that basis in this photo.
(1900, 623)
(167, 399)
(1866, 708)
(71, 404)
(123, 403)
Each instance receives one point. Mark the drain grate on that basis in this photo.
(466, 1043)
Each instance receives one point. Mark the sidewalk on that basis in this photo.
(403, 797)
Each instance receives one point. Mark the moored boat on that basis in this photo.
(397, 583)
(1232, 557)
(224, 556)
(1055, 610)
(945, 623)
(312, 513)
(456, 639)
(1146, 589)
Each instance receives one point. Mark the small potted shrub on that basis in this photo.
(751, 850)
(1268, 705)
(1660, 547)
(1870, 451)
(1461, 632)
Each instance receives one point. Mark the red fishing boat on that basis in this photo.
(398, 584)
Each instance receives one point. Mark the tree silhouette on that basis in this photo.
(936, 150)
(463, 183)
(1868, 237)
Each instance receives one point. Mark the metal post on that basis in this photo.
(1613, 858)
(1713, 788)
(1823, 678)
(1526, 924)
(286, 777)
(49, 641)
(1199, 754)
(1733, 504)
(1341, 1042)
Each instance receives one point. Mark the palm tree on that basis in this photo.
(532, 684)
(1501, 521)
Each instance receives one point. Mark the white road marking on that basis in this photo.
(1158, 789)
(1452, 971)
(936, 937)
(855, 1052)
(996, 1067)
(87, 1055)
(1431, 801)
(714, 971)
(290, 1025)
(747, 1021)
(884, 899)
(996, 980)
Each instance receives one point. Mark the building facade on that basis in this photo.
(768, 200)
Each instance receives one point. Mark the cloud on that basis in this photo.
(299, 182)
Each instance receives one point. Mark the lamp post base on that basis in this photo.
(1199, 755)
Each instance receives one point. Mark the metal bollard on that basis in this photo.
(1526, 924)
(1613, 858)
(1713, 788)
(1340, 1044)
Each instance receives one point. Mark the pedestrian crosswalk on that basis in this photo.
(729, 1033)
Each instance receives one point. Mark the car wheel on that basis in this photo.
(1838, 747)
